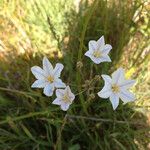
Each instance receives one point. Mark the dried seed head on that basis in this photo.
(97, 77)
(79, 64)
(86, 83)
(92, 96)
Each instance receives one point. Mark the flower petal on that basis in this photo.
(47, 66)
(49, 89)
(105, 92)
(114, 98)
(96, 60)
(88, 54)
(57, 70)
(106, 49)
(126, 96)
(39, 84)
(105, 58)
(127, 84)
(57, 101)
(118, 76)
(106, 78)
(65, 106)
(59, 84)
(92, 45)
(38, 72)
(60, 93)
(101, 42)
(71, 95)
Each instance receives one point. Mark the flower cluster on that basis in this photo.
(48, 78)
(115, 87)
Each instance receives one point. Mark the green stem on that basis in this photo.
(78, 74)
(58, 142)
(27, 94)
(17, 91)
(103, 120)
(24, 116)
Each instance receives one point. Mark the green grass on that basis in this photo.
(33, 29)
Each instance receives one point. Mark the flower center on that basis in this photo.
(66, 98)
(50, 79)
(97, 53)
(115, 88)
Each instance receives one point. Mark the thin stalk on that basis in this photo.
(58, 142)
(103, 120)
(17, 91)
(78, 74)
(26, 94)
(29, 115)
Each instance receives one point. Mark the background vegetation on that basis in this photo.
(61, 30)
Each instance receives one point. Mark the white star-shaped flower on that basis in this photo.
(98, 51)
(117, 87)
(64, 98)
(48, 77)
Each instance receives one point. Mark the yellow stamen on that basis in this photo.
(97, 54)
(66, 98)
(115, 88)
(50, 79)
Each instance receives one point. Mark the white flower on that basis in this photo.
(117, 87)
(64, 98)
(48, 77)
(98, 51)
